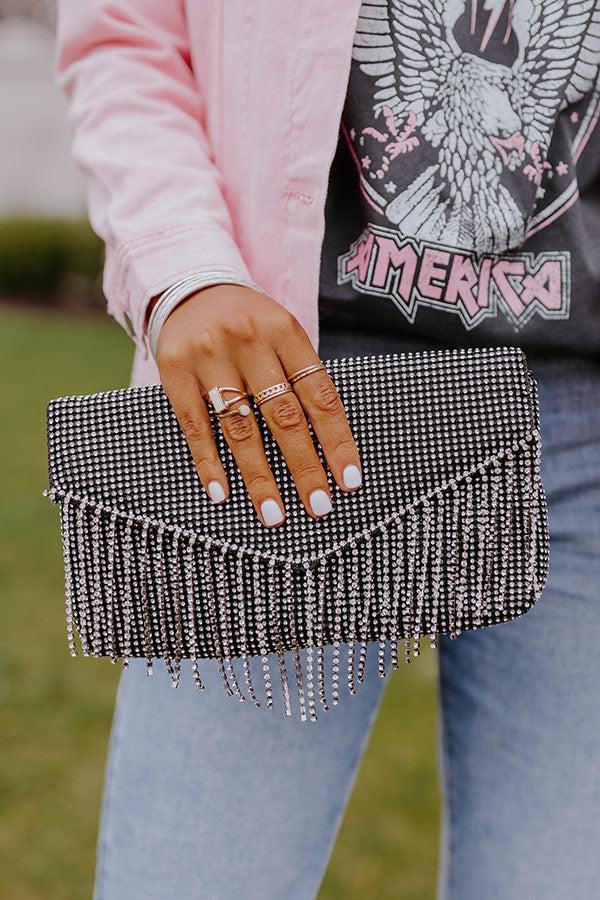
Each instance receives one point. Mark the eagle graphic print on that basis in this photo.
(459, 152)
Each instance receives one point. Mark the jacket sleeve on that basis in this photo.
(154, 193)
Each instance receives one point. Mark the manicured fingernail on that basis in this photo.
(320, 503)
(352, 477)
(271, 512)
(216, 491)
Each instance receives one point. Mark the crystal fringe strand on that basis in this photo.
(209, 596)
(320, 640)
(311, 592)
(276, 612)
(289, 599)
(222, 623)
(159, 552)
(127, 606)
(65, 523)
(338, 598)
(190, 595)
(260, 608)
(240, 600)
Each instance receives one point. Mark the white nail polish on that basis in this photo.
(320, 503)
(352, 477)
(216, 492)
(271, 512)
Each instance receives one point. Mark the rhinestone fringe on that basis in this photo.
(135, 587)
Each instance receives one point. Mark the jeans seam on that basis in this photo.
(103, 843)
(449, 786)
(355, 772)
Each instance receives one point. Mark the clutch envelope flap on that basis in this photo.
(421, 421)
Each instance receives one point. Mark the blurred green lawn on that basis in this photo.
(55, 712)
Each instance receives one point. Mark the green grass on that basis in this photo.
(50, 259)
(55, 712)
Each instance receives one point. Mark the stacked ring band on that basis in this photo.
(302, 373)
(276, 390)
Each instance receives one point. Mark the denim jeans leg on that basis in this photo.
(207, 797)
(520, 739)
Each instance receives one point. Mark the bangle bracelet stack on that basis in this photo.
(182, 289)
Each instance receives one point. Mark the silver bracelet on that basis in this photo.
(182, 289)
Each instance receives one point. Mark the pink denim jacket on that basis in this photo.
(206, 129)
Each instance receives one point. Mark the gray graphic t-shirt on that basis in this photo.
(464, 197)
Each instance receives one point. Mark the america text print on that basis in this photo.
(413, 273)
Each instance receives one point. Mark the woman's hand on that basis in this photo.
(230, 336)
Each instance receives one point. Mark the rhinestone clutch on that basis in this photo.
(448, 533)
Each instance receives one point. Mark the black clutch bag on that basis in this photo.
(448, 533)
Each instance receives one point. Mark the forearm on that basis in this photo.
(154, 193)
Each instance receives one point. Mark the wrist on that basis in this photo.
(161, 307)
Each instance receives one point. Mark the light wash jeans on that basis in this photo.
(209, 798)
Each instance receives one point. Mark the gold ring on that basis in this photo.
(221, 405)
(302, 373)
(242, 410)
(275, 390)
